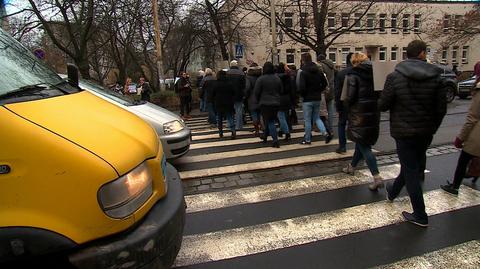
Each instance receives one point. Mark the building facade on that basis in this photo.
(382, 31)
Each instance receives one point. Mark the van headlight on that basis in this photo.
(172, 127)
(123, 196)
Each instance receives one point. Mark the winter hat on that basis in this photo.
(233, 63)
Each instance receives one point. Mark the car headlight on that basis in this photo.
(123, 196)
(172, 127)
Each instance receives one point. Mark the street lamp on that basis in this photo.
(274, 33)
(158, 44)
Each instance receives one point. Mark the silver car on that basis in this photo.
(172, 131)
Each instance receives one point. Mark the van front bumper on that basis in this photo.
(153, 243)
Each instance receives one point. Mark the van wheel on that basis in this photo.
(450, 94)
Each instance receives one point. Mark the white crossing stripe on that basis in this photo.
(215, 135)
(466, 255)
(228, 142)
(291, 188)
(229, 169)
(221, 245)
(249, 152)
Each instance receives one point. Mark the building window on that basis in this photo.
(345, 19)
(381, 22)
(404, 53)
(416, 23)
(371, 23)
(303, 22)
(290, 56)
(358, 22)
(358, 49)
(444, 55)
(406, 23)
(457, 21)
(393, 23)
(446, 23)
(383, 54)
(454, 54)
(393, 54)
(345, 52)
(465, 55)
(289, 20)
(332, 55)
(331, 21)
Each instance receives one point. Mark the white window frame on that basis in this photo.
(394, 23)
(394, 51)
(404, 53)
(445, 55)
(345, 19)
(406, 23)
(288, 16)
(382, 54)
(345, 52)
(303, 20)
(357, 21)
(371, 23)
(331, 20)
(417, 23)
(446, 23)
(332, 52)
(465, 54)
(454, 54)
(382, 23)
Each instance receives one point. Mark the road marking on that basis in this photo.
(229, 169)
(209, 136)
(248, 152)
(291, 188)
(221, 245)
(466, 255)
(227, 142)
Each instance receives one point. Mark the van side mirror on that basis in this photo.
(72, 72)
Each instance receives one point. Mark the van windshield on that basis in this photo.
(20, 69)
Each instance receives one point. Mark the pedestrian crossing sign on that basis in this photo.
(238, 51)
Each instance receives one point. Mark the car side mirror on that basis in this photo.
(72, 72)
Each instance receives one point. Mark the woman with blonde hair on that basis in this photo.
(363, 116)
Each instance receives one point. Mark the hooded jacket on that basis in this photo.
(253, 74)
(287, 95)
(312, 82)
(329, 69)
(363, 114)
(415, 94)
(223, 95)
(267, 90)
(237, 79)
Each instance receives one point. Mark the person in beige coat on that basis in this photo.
(468, 139)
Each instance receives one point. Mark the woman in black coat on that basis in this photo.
(286, 96)
(363, 116)
(267, 92)
(222, 96)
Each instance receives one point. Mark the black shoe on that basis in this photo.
(234, 135)
(280, 134)
(328, 138)
(388, 190)
(276, 144)
(474, 180)
(305, 142)
(263, 137)
(412, 219)
(449, 188)
(220, 134)
(341, 151)
(287, 137)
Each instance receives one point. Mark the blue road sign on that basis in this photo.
(238, 51)
(39, 53)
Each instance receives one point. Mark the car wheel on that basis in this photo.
(450, 94)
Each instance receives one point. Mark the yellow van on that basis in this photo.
(83, 183)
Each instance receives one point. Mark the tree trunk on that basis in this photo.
(218, 28)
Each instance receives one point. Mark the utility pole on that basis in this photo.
(158, 45)
(274, 33)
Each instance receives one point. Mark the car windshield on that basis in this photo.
(20, 69)
(124, 100)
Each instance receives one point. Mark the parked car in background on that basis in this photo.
(451, 81)
(174, 135)
(83, 183)
(465, 86)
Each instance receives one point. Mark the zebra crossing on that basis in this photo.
(327, 221)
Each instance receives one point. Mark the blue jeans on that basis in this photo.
(365, 152)
(342, 125)
(229, 117)
(212, 118)
(238, 115)
(412, 155)
(272, 129)
(311, 110)
(282, 118)
(202, 105)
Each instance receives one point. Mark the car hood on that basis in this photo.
(115, 135)
(152, 111)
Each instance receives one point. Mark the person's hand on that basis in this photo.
(458, 143)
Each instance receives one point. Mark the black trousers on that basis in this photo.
(185, 105)
(412, 155)
(461, 169)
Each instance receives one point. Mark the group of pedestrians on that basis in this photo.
(414, 94)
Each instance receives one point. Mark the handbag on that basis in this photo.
(473, 168)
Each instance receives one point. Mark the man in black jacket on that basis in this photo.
(342, 114)
(415, 94)
(237, 79)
